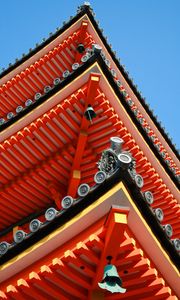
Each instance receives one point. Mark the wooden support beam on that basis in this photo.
(81, 38)
(56, 279)
(70, 272)
(13, 293)
(134, 255)
(142, 264)
(116, 223)
(138, 281)
(16, 228)
(171, 298)
(95, 241)
(75, 176)
(83, 30)
(44, 286)
(70, 257)
(27, 289)
(162, 294)
(55, 193)
(82, 249)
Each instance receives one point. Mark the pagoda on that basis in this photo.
(89, 197)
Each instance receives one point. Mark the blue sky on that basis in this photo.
(144, 33)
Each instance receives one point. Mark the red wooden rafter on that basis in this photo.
(35, 77)
(21, 155)
(81, 38)
(75, 176)
(114, 237)
(76, 272)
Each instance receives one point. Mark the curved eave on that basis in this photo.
(64, 83)
(135, 121)
(42, 69)
(90, 224)
(105, 125)
(46, 151)
(131, 84)
(41, 46)
(105, 69)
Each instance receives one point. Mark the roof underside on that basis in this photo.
(50, 148)
(42, 71)
(51, 63)
(51, 156)
(75, 269)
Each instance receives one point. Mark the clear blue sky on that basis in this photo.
(144, 33)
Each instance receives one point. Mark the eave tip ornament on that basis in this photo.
(111, 280)
(114, 157)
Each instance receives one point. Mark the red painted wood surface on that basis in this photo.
(71, 272)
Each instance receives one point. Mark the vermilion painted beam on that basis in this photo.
(82, 249)
(81, 38)
(95, 241)
(115, 224)
(73, 274)
(56, 195)
(134, 272)
(130, 278)
(31, 171)
(128, 244)
(82, 139)
(143, 263)
(28, 290)
(28, 82)
(134, 255)
(69, 256)
(164, 293)
(61, 281)
(13, 293)
(43, 285)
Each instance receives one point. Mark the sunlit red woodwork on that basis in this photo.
(75, 272)
(50, 147)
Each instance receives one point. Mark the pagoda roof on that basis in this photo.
(87, 12)
(81, 203)
(50, 148)
(88, 238)
(46, 164)
(135, 114)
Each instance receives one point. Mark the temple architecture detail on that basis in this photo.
(89, 180)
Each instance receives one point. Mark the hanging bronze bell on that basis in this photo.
(89, 113)
(80, 48)
(111, 280)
